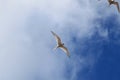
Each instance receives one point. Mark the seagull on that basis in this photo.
(115, 3)
(60, 44)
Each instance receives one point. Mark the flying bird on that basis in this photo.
(115, 3)
(60, 44)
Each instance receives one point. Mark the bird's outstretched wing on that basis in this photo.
(58, 40)
(65, 50)
(117, 4)
(109, 1)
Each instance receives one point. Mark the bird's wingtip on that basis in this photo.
(119, 10)
(51, 31)
(69, 56)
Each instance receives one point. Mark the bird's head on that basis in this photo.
(62, 43)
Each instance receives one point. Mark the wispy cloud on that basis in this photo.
(26, 42)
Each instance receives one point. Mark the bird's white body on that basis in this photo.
(60, 44)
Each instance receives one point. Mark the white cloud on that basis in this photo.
(26, 42)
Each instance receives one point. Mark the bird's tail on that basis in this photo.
(55, 47)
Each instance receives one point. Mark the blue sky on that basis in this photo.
(90, 30)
